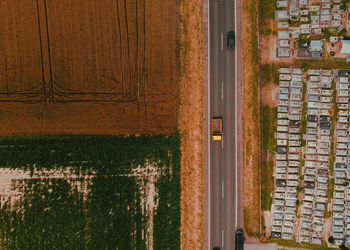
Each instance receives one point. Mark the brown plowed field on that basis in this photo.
(87, 66)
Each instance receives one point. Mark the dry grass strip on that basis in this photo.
(191, 123)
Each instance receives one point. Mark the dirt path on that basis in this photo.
(191, 124)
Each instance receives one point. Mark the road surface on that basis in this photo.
(224, 196)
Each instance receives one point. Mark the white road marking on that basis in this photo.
(222, 189)
(222, 238)
(222, 41)
(236, 179)
(222, 90)
(209, 235)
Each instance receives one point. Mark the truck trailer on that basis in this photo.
(216, 128)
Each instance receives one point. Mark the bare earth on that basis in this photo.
(87, 66)
(191, 124)
(268, 46)
(269, 94)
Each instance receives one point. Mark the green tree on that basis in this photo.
(342, 32)
(343, 247)
(306, 67)
(327, 33)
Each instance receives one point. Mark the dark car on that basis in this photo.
(231, 40)
(216, 248)
(239, 239)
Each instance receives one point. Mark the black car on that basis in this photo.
(216, 248)
(231, 40)
(239, 239)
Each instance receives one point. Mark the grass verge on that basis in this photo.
(251, 119)
(269, 117)
(293, 244)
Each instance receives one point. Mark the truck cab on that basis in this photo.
(216, 128)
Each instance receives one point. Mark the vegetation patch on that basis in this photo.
(293, 244)
(269, 117)
(90, 192)
(266, 13)
(251, 120)
(268, 73)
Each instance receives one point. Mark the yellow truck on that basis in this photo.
(216, 128)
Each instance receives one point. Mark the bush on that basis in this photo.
(343, 247)
(342, 32)
(332, 44)
(306, 67)
(327, 33)
(332, 53)
(331, 240)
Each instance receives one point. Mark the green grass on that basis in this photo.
(331, 63)
(293, 244)
(266, 13)
(269, 119)
(269, 124)
(53, 214)
(267, 184)
(268, 73)
(331, 161)
(303, 123)
(324, 63)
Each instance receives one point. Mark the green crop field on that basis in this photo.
(90, 192)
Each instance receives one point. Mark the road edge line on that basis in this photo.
(208, 51)
(236, 185)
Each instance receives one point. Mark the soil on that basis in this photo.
(327, 230)
(327, 49)
(269, 95)
(267, 222)
(89, 67)
(191, 124)
(268, 47)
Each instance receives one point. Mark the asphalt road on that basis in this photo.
(223, 209)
